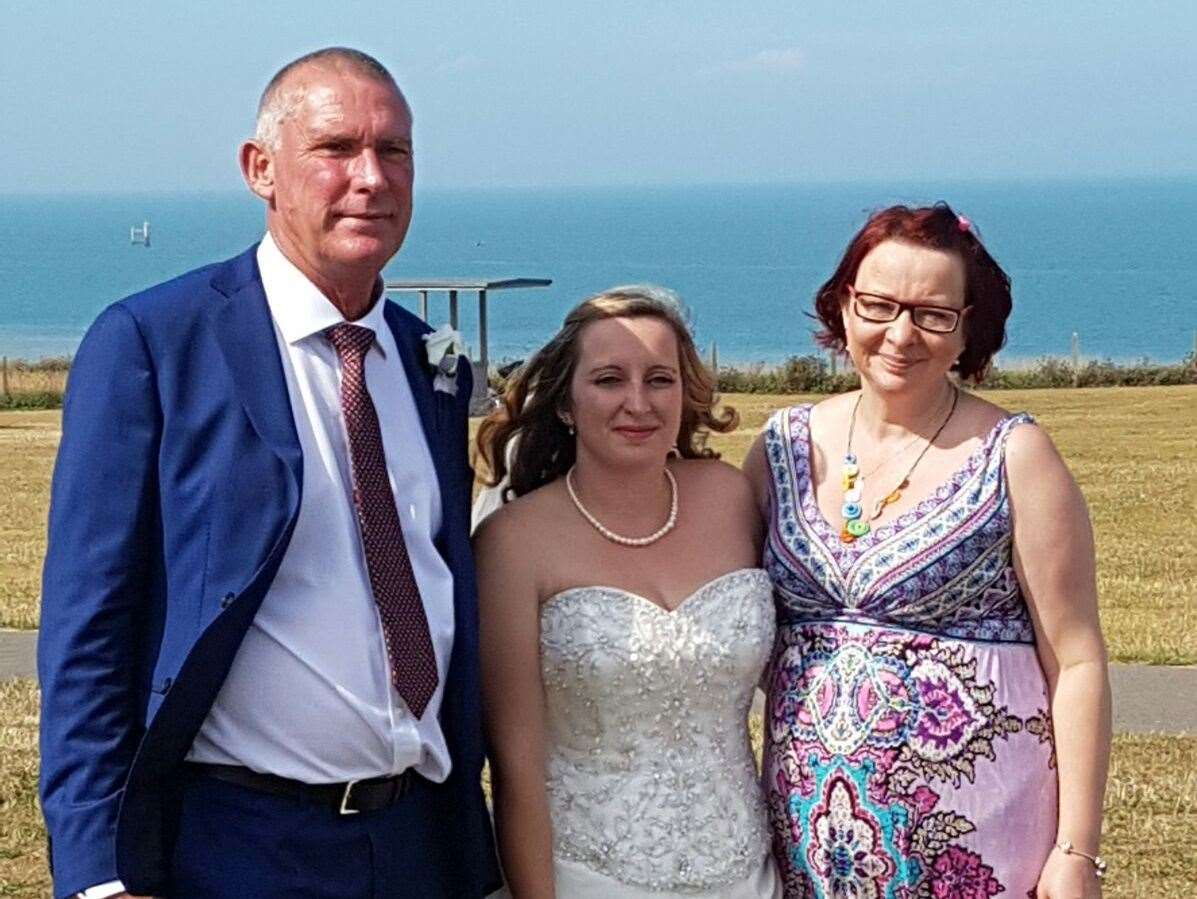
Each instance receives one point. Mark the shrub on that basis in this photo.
(47, 364)
(812, 374)
(40, 399)
(797, 374)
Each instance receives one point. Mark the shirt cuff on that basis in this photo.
(102, 891)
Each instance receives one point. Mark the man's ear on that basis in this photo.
(257, 168)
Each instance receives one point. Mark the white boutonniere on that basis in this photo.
(445, 346)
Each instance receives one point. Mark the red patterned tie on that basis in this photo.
(404, 624)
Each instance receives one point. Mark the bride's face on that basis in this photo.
(626, 393)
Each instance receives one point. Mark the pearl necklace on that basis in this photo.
(656, 535)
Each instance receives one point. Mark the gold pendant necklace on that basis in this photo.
(852, 511)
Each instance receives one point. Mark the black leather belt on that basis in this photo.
(348, 798)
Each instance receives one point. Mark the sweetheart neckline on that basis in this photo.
(656, 605)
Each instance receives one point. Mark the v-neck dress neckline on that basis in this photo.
(944, 491)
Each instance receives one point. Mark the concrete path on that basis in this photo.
(1147, 698)
(1154, 698)
(18, 654)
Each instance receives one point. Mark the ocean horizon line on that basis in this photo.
(884, 184)
(1000, 361)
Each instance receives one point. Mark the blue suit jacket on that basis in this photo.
(175, 493)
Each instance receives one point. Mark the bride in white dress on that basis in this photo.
(624, 623)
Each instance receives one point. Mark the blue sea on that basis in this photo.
(1113, 261)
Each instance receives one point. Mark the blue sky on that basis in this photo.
(157, 95)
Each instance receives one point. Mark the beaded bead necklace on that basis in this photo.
(853, 482)
(656, 535)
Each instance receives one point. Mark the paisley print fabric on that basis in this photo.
(908, 750)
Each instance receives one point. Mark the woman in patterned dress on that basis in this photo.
(938, 720)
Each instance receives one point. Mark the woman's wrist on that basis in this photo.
(1096, 861)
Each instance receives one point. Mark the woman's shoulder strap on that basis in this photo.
(783, 420)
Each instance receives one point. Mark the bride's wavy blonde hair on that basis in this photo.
(538, 393)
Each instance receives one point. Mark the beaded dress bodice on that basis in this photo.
(650, 775)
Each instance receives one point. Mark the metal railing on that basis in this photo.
(454, 287)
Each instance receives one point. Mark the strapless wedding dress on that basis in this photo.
(653, 791)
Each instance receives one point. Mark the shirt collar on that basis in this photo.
(297, 305)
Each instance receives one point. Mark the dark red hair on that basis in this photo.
(986, 286)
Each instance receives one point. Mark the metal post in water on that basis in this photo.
(714, 359)
(1076, 358)
(483, 352)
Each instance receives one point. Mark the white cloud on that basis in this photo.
(465, 62)
(768, 62)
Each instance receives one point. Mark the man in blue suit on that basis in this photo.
(258, 649)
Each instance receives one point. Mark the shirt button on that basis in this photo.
(227, 600)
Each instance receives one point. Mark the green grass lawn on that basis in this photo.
(1131, 448)
(1150, 827)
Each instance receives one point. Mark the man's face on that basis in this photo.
(341, 191)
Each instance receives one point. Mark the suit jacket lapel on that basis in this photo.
(245, 332)
(431, 405)
(411, 351)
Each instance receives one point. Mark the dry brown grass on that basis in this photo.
(22, 379)
(1150, 827)
(28, 441)
(22, 836)
(1131, 448)
(1151, 817)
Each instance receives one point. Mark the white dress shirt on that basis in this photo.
(309, 695)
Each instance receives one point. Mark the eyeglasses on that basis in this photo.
(935, 319)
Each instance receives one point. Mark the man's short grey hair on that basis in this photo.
(280, 101)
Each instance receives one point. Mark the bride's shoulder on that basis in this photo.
(505, 545)
(712, 478)
(521, 517)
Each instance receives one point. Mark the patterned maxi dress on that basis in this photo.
(908, 742)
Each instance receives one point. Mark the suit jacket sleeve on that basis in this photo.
(100, 558)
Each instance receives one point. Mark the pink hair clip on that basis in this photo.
(963, 224)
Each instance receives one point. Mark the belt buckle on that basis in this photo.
(345, 809)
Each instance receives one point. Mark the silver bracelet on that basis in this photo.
(1099, 863)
